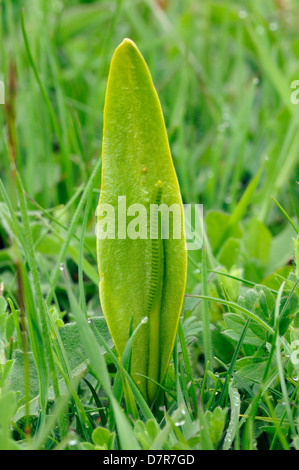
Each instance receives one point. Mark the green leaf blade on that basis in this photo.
(136, 156)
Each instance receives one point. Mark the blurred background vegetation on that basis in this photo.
(223, 71)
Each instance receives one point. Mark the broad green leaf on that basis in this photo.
(235, 324)
(216, 422)
(229, 254)
(103, 439)
(277, 277)
(217, 223)
(250, 369)
(259, 300)
(282, 249)
(50, 245)
(141, 277)
(146, 433)
(76, 355)
(257, 240)
(70, 337)
(231, 284)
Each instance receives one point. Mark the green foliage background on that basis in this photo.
(223, 71)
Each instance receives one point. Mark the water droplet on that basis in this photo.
(61, 267)
(72, 442)
(180, 423)
(242, 14)
(273, 26)
(144, 320)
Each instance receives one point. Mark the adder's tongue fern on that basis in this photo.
(144, 276)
